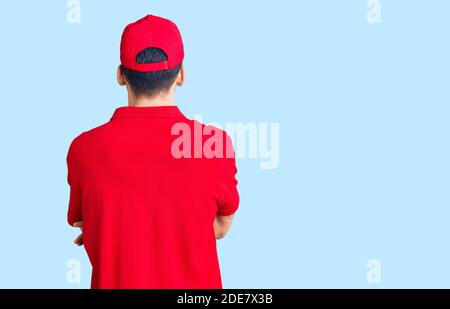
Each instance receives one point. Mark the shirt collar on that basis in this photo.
(147, 112)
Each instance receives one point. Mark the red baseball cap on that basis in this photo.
(151, 32)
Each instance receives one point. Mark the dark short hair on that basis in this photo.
(150, 84)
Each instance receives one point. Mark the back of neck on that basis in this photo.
(151, 102)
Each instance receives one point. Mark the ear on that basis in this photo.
(180, 78)
(120, 77)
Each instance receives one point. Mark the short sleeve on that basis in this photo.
(74, 212)
(229, 201)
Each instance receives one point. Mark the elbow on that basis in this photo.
(222, 226)
(220, 235)
(221, 232)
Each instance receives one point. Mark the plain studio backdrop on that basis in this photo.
(362, 108)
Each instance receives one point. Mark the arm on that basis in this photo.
(228, 201)
(74, 215)
(79, 240)
(222, 225)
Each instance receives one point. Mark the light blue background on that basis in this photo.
(363, 112)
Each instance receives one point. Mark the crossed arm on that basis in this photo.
(221, 227)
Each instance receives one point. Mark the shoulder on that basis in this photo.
(208, 130)
(86, 138)
(216, 141)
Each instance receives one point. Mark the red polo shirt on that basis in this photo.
(148, 214)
